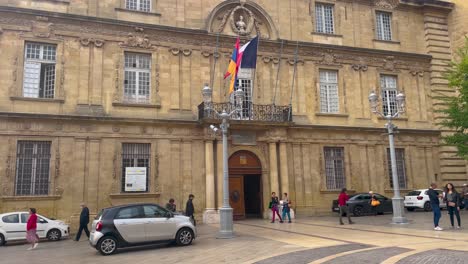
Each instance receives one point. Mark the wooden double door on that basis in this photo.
(245, 196)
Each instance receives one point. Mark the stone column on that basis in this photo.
(274, 184)
(210, 215)
(284, 168)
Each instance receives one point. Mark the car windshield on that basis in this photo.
(414, 193)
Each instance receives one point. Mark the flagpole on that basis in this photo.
(215, 57)
(278, 72)
(294, 78)
(254, 74)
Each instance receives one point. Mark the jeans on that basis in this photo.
(466, 203)
(82, 227)
(286, 211)
(275, 212)
(344, 209)
(437, 214)
(454, 210)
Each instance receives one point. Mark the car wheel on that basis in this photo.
(2, 240)
(427, 207)
(358, 211)
(54, 235)
(107, 245)
(184, 237)
(410, 209)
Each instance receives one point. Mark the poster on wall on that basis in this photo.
(135, 179)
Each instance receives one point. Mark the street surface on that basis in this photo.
(307, 240)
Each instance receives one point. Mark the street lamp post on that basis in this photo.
(226, 226)
(397, 200)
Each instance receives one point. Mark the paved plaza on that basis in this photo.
(307, 240)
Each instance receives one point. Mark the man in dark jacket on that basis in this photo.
(84, 221)
(189, 209)
(434, 200)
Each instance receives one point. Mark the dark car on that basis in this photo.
(359, 204)
(139, 224)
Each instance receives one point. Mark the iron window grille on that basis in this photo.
(388, 83)
(138, 5)
(324, 18)
(329, 99)
(136, 155)
(39, 70)
(401, 168)
(384, 26)
(137, 79)
(334, 168)
(32, 168)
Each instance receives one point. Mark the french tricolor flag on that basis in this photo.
(248, 54)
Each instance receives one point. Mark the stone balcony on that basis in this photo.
(250, 112)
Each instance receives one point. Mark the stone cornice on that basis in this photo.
(112, 30)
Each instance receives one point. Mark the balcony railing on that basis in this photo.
(250, 112)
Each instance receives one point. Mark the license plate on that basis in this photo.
(409, 203)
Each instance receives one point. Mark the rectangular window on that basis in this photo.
(32, 167)
(329, 101)
(324, 18)
(137, 79)
(138, 5)
(401, 168)
(39, 70)
(135, 155)
(384, 25)
(388, 83)
(334, 168)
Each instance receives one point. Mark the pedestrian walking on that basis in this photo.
(464, 195)
(342, 199)
(286, 207)
(189, 209)
(31, 229)
(374, 203)
(171, 206)
(274, 207)
(84, 221)
(434, 200)
(453, 200)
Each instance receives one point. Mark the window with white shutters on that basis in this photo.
(334, 168)
(137, 79)
(324, 18)
(400, 164)
(39, 70)
(32, 168)
(135, 155)
(138, 5)
(384, 28)
(329, 100)
(388, 83)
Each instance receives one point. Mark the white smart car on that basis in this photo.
(13, 227)
(420, 199)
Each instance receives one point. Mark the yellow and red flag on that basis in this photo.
(233, 66)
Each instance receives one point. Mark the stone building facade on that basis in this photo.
(89, 88)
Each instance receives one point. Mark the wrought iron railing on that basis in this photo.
(250, 112)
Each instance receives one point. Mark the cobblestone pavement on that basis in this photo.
(306, 240)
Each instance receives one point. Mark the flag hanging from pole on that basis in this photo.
(248, 54)
(233, 66)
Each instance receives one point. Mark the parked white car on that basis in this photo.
(420, 199)
(13, 227)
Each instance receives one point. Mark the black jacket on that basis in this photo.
(456, 199)
(433, 196)
(189, 210)
(84, 216)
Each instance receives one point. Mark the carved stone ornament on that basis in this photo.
(417, 72)
(241, 20)
(115, 129)
(386, 4)
(268, 59)
(137, 41)
(59, 190)
(328, 58)
(87, 41)
(42, 28)
(389, 63)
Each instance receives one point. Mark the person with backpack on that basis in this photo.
(274, 207)
(342, 199)
(286, 207)
(453, 201)
(434, 200)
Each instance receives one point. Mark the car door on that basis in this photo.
(365, 202)
(130, 223)
(385, 203)
(13, 228)
(42, 226)
(161, 224)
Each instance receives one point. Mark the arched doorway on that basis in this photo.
(245, 185)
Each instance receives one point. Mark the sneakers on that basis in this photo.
(281, 221)
(458, 227)
(438, 228)
(35, 245)
(289, 221)
(31, 248)
(351, 222)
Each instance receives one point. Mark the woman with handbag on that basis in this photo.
(453, 200)
(374, 203)
(274, 207)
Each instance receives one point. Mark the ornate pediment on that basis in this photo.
(241, 19)
(386, 4)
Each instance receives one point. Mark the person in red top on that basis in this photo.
(342, 199)
(31, 227)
